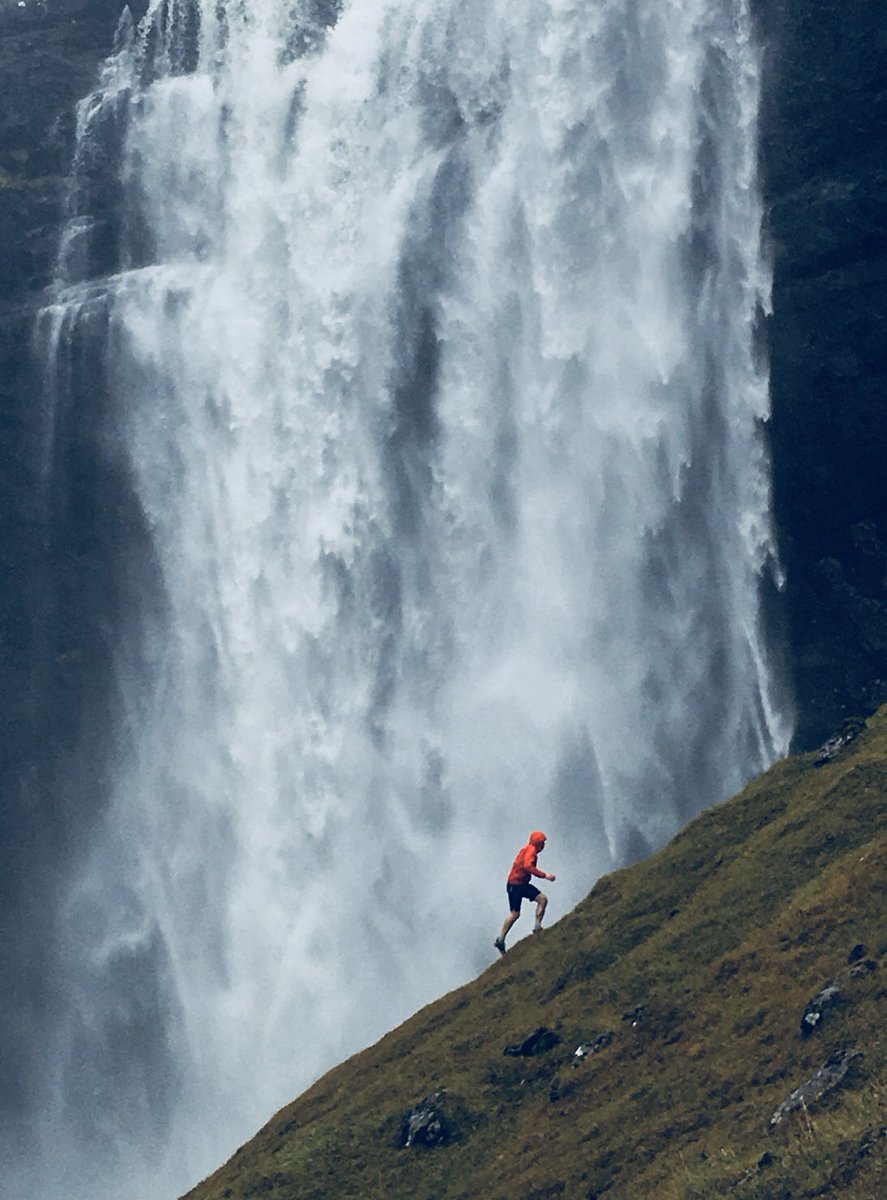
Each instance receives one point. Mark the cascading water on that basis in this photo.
(429, 347)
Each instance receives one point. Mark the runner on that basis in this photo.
(519, 887)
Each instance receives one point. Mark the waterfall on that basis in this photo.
(427, 336)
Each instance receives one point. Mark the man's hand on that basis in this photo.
(550, 878)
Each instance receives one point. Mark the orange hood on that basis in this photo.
(538, 838)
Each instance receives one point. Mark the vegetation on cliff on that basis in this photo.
(686, 984)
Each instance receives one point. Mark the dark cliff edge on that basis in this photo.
(824, 163)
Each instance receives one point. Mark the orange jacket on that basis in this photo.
(525, 864)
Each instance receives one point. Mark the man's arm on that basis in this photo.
(534, 870)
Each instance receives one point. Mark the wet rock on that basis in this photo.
(832, 1074)
(821, 1003)
(848, 732)
(539, 1041)
(425, 1124)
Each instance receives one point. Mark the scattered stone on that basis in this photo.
(586, 1048)
(833, 991)
(829, 1076)
(818, 1007)
(538, 1042)
(849, 731)
(858, 970)
(763, 1162)
(425, 1124)
(635, 1015)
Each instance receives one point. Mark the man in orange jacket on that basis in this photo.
(519, 887)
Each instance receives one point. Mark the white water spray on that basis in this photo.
(432, 364)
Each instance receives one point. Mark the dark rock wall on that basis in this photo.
(824, 159)
(64, 531)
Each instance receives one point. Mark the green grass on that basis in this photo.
(723, 937)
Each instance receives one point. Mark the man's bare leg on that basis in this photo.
(499, 943)
(507, 924)
(541, 905)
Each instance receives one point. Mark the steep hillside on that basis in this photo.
(685, 980)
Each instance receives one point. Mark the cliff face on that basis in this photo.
(824, 150)
(59, 568)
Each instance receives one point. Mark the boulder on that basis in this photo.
(818, 1007)
(861, 969)
(425, 1124)
(848, 733)
(593, 1047)
(832, 1074)
(539, 1041)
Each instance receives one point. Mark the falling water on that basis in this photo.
(428, 335)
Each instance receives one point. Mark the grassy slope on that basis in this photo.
(723, 936)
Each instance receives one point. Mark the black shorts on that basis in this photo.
(518, 892)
